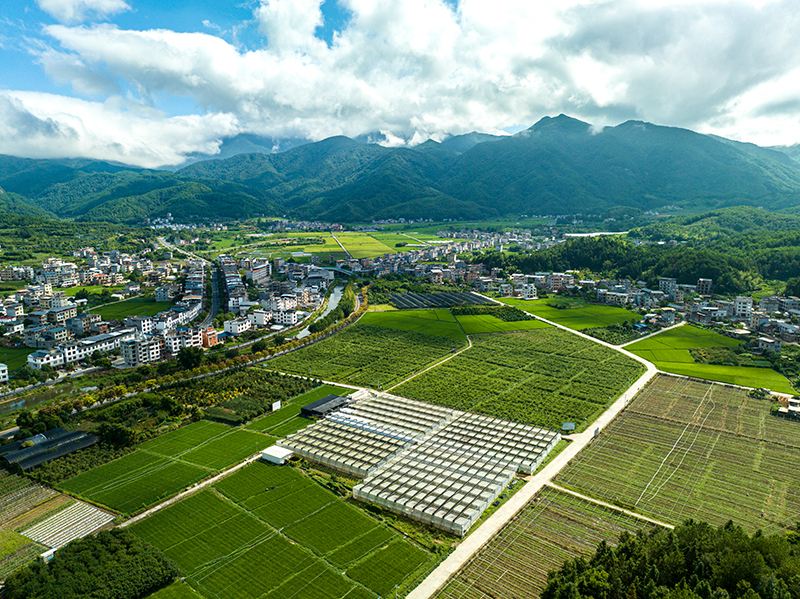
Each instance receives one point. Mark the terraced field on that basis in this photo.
(553, 527)
(543, 376)
(687, 449)
(271, 531)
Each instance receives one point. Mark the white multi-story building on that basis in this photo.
(237, 326)
(75, 351)
(190, 337)
(527, 291)
(3, 374)
(260, 318)
(285, 317)
(142, 350)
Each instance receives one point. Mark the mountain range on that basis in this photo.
(559, 166)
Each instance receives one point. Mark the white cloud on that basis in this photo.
(76, 11)
(418, 69)
(40, 125)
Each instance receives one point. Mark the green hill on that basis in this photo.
(559, 166)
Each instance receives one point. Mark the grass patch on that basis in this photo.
(430, 322)
(15, 357)
(131, 307)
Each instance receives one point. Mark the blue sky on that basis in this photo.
(148, 82)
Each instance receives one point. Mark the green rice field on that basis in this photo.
(131, 307)
(669, 351)
(362, 245)
(165, 465)
(485, 323)
(577, 314)
(177, 590)
(270, 531)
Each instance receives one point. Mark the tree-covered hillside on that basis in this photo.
(695, 561)
(558, 166)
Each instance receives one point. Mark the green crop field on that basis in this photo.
(15, 357)
(163, 466)
(131, 307)
(688, 449)
(431, 322)
(543, 376)
(368, 356)
(287, 420)
(361, 245)
(269, 531)
(669, 351)
(550, 529)
(577, 314)
(485, 323)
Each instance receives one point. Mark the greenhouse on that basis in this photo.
(450, 478)
(437, 465)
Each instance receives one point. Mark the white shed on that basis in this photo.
(276, 455)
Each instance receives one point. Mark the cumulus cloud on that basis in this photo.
(419, 69)
(39, 125)
(75, 11)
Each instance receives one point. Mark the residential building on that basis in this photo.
(743, 307)
(237, 326)
(704, 286)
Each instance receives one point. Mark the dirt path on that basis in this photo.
(675, 326)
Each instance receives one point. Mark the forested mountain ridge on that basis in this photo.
(558, 166)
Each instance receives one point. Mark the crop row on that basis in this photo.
(675, 471)
(367, 355)
(550, 529)
(544, 377)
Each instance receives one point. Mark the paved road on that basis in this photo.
(675, 326)
(215, 295)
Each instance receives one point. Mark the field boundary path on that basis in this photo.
(609, 506)
(436, 580)
(415, 239)
(675, 326)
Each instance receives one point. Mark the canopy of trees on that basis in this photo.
(115, 564)
(695, 561)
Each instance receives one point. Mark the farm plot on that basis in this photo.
(361, 245)
(544, 377)
(177, 590)
(287, 420)
(164, 465)
(553, 527)
(431, 322)
(485, 323)
(269, 531)
(16, 551)
(686, 449)
(669, 351)
(74, 522)
(574, 313)
(367, 355)
(19, 494)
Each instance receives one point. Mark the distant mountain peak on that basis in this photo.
(563, 123)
